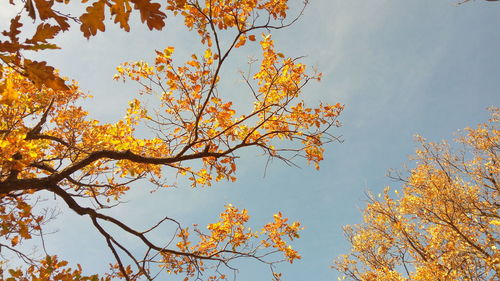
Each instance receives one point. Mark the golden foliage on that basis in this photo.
(445, 223)
(49, 143)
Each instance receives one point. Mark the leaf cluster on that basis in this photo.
(49, 144)
(445, 223)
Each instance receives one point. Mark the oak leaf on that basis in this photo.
(121, 10)
(93, 19)
(9, 47)
(44, 32)
(14, 31)
(42, 74)
(30, 8)
(150, 13)
(46, 12)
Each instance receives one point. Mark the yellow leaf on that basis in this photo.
(9, 94)
(495, 222)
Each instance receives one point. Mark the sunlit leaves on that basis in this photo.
(39, 72)
(192, 133)
(9, 93)
(440, 227)
(231, 238)
(49, 20)
(93, 19)
(191, 106)
(49, 268)
(278, 230)
(222, 14)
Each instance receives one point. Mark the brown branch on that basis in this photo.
(72, 204)
(38, 127)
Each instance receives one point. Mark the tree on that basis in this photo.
(49, 144)
(445, 223)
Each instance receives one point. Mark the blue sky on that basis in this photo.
(400, 67)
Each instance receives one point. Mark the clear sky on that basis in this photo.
(400, 67)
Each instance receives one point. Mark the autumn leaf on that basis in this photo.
(43, 33)
(93, 19)
(15, 240)
(42, 74)
(9, 47)
(241, 41)
(14, 31)
(121, 10)
(9, 93)
(45, 11)
(29, 6)
(150, 13)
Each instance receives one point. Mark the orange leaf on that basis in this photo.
(150, 13)
(42, 74)
(15, 240)
(45, 12)
(14, 29)
(30, 8)
(93, 19)
(121, 10)
(241, 41)
(44, 32)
